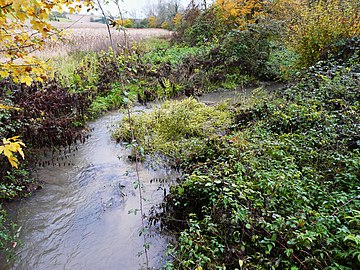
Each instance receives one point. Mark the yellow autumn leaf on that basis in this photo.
(13, 161)
(6, 107)
(16, 5)
(10, 147)
(22, 16)
(13, 147)
(4, 73)
(7, 152)
(21, 152)
(26, 79)
(39, 79)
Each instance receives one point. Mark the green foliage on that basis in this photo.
(16, 183)
(176, 128)
(113, 99)
(282, 62)
(77, 71)
(248, 50)
(280, 191)
(313, 29)
(241, 58)
(7, 234)
(173, 55)
(152, 44)
(208, 26)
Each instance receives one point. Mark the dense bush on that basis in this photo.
(281, 190)
(246, 51)
(203, 27)
(314, 29)
(48, 113)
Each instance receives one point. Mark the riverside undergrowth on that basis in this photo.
(278, 187)
(53, 113)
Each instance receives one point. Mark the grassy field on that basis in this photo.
(80, 34)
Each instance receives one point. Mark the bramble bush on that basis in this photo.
(280, 189)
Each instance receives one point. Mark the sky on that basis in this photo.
(136, 8)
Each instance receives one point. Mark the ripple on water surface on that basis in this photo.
(80, 219)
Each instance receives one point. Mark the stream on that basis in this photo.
(80, 219)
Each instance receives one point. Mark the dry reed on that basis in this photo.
(94, 39)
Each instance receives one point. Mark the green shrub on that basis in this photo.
(207, 27)
(281, 191)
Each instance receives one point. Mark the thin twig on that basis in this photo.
(107, 26)
(122, 24)
(140, 189)
(349, 201)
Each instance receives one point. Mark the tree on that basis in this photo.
(315, 28)
(241, 12)
(177, 21)
(152, 22)
(25, 29)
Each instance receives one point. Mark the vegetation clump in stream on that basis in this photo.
(176, 129)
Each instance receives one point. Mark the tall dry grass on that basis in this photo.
(94, 39)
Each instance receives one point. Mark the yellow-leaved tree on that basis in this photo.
(177, 21)
(241, 12)
(152, 23)
(24, 28)
(312, 27)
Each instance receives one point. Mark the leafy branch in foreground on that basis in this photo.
(10, 147)
(25, 29)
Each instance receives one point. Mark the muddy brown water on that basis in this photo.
(80, 219)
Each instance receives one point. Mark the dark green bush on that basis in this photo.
(207, 27)
(281, 191)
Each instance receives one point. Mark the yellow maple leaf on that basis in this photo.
(13, 161)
